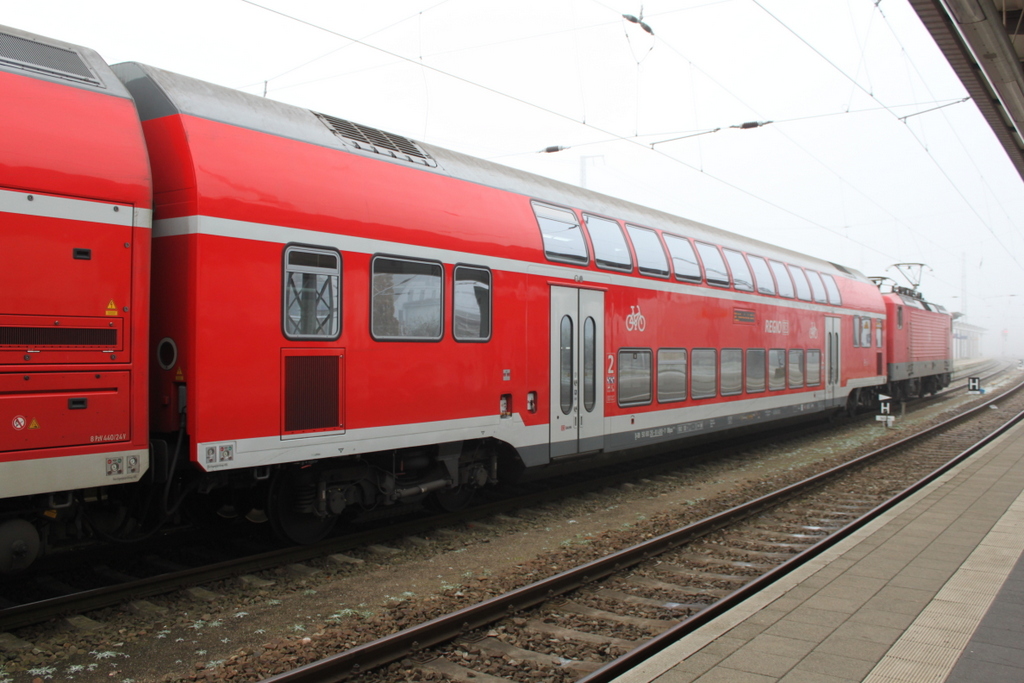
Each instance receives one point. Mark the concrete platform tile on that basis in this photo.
(799, 675)
(908, 580)
(746, 630)
(724, 646)
(925, 570)
(874, 633)
(976, 581)
(879, 567)
(949, 623)
(871, 615)
(723, 675)
(915, 595)
(972, 598)
(957, 609)
(864, 584)
(786, 628)
(835, 665)
(845, 605)
(760, 662)
(766, 616)
(889, 604)
(810, 615)
(787, 647)
(692, 667)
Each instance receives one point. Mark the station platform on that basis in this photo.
(931, 591)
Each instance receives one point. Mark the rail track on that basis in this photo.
(102, 581)
(595, 621)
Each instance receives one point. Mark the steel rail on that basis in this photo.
(444, 628)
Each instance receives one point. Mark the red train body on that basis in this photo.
(341, 317)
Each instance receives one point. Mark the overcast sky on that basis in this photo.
(839, 173)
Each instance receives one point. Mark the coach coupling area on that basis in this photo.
(931, 591)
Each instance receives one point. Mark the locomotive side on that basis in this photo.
(75, 212)
(344, 318)
(920, 343)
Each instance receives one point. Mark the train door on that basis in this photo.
(577, 349)
(833, 366)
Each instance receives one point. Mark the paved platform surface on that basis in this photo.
(931, 591)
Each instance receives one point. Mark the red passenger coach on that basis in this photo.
(920, 343)
(74, 271)
(344, 318)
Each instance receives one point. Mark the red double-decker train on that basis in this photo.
(218, 300)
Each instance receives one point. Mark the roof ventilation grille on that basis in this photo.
(377, 141)
(39, 57)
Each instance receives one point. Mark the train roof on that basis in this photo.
(160, 93)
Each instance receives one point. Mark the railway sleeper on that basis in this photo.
(499, 648)
(655, 603)
(454, 672)
(675, 588)
(654, 626)
(617, 645)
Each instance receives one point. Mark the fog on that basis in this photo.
(868, 156)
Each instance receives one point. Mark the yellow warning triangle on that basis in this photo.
(111, 308)
(33, 424)
(180, 376)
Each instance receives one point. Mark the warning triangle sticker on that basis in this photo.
(179, 376)
(111, 308)
(33, 424)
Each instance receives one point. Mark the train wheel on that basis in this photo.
(290, 504)
(19, 545)
(455, 499)
(852, 402)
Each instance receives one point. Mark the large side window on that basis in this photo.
(796, 368)
(803, 290)
(650, 255)
(783, 279)
(834, 297)
(741, 277)
(776, 369)
(472, 304)
(312, 293)
(671, 375)
(765, 284)
(406, 300)
(731, 372)
(817, 288)
(714, 266)
(634, 377)
(684, 259)
(813, 367)
(610, 250)
(703, 373)
(755, 370)
(563, 236)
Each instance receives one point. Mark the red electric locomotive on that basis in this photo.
(919, 343)
(343, 317)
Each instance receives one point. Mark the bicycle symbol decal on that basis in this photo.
(635, 320)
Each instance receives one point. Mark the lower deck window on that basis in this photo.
(703, 373)
(731, 373)
(755, 370)
(813, 367)
(671, 375)
(796, 368)
(776, 369)
(407, 298)
(634, 377)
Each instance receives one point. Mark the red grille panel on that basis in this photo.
(311, 393)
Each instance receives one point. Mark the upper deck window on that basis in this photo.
(765, 284)
(817, 288)
(803, 290)
(714, 265)
(741, 277)
(834, 297)
(563, 236)
(684, 258)
(650, 255)
(312, 293)
(610, 250)
(783, 279)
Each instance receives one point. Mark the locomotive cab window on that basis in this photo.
(650, 256)
(610, 250)
(312, 293)
(563, 236)
(714, 265)
(471, 321)
(684, 258)
(406, 300)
